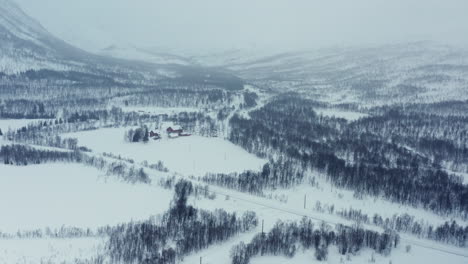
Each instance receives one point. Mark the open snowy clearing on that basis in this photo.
(193, 155)
(56, 195)
(325, 195)
(6, 124)
(398, 256)
(159, 110)
(463, 175)
(32, 251)
(270, 211)
(348, 115)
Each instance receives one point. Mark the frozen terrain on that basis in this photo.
(32, 251)
(193, 155)
(270, 211)
(398, 256)
(348, 115)
(6, 124)
(159, 110)
(56, 195)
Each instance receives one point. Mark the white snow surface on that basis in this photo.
(193, 155)
(55, 195)
(159, 110)
(348, 115)
(270, 211)
(32, 251)
(6, 124)
(398, 256)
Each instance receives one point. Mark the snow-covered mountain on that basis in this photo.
(152, 55)
(22, 41)
(26, 45)
(405, 72)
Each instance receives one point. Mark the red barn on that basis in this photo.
(174, 129)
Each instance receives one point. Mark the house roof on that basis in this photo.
(175, 127)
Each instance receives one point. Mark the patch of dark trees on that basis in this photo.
(352, 157)
(250, 99)
(20, 109)
(140, 134)
(21, 155)
(444, 108)
(45, 94)
(180, 231)
(285, 239)
(440, 138)
(281, 173)
(210, 76)
(450, 232)
(180, 97)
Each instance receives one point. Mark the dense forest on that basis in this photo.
(23, 95)
(353, 157)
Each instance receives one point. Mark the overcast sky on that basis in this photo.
(265, 24)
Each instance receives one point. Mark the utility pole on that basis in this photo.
(305, 199)
(262, 225)
(200, 260)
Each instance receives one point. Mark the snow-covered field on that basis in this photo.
(348, 115)
(56, 195)
(159, 110)
(33, 251)
(6, 124)
(270, 211)
(398, 256)
(326, 195)
(193, 155)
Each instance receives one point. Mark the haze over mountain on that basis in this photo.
(207, 25)
(233, 132)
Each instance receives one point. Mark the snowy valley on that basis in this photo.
(133, 155)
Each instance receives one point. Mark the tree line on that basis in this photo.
(21, 155)
(449, 232)
(284, 172)
(180, 231)
(286, 239)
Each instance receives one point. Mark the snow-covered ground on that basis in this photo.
(463, 175)
(270, 211)
(193, 155)
(56, 195)
(327, 195)
(33, 251)
(398, 256)
(348, 115)
(159, 110)
(6, 124)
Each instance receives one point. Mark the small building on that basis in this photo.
(175, 129)
(154, 135)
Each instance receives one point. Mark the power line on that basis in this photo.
(409, 241)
